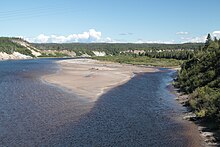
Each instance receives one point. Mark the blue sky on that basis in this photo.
(166, 21)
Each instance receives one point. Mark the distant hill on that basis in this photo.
(113, 48)
(16, 48)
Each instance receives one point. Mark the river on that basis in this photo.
(141, 112)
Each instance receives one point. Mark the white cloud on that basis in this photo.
(96, 36)
(42, 38)
(155, 41)
(110, 40)
(93, 35)
(182, 33)
(216, 34)
(125, 34)
(200, 39)
(139, 41)
(90, 36)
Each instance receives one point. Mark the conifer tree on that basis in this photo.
(208, 41)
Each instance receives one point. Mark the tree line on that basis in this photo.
(117, 48)
(200, 78)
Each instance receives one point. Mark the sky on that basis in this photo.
(111, 21)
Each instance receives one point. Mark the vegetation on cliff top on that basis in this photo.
(8, 46)
(115, 48)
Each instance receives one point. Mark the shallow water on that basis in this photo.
(141, 112)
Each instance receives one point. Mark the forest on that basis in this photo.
(117, 48)
(200, 78)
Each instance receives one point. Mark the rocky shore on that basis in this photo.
(208, 134)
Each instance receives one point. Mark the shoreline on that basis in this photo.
(89, 71)
(91, 78)
(207, 134)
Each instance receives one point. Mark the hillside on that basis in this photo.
(165, 55)
(94, 49)
(16, 48)
(200, 78)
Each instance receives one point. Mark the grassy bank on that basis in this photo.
(141, 60)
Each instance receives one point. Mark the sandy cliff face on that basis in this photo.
(15, 55)
(18, 54)
(96, 53)
(33, 50)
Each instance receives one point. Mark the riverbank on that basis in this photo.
(135, 113)
(13, 56)
(133, 101)
(207, 130)
(91, 78)
(142, 60)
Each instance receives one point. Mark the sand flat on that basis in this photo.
(91, 78)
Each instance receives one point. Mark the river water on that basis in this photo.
(141, 112)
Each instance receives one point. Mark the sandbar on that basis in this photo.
(91, 78)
